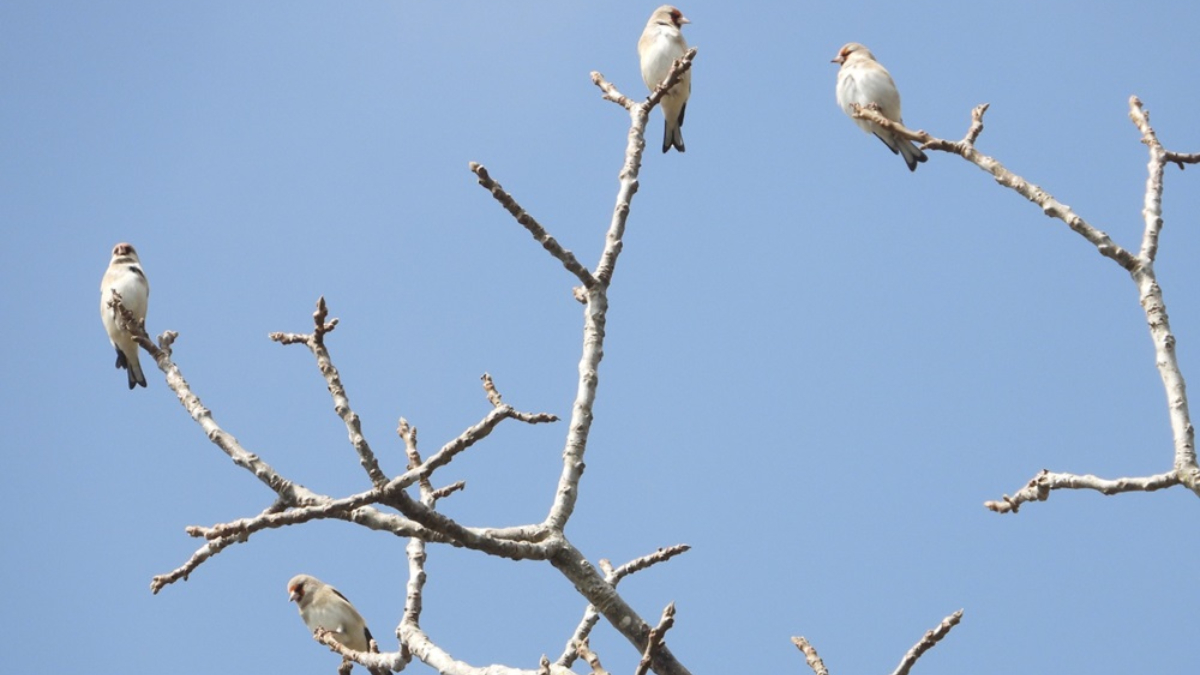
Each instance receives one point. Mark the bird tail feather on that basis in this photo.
(136, 376)
(912, 155)
(672, 137)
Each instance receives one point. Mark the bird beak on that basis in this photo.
(294, 596)
(837, 59)
(683, 20)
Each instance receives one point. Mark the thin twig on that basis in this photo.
(1039, 487)
(584, 650)
(1044, 200)
(810, 655)
(489, 387)
(614, 608)
(931, 638)
(657, 640)
(376, 662)
(613, 577)
(465, 440)
(333, 381)
(208, 550)
(530, 223)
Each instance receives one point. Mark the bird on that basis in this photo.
(864, 81)
(125, 276)
(661, 43)
(322, 606)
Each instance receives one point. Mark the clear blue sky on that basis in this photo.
(819, 366)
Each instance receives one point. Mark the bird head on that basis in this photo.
(124, 250)
(671, 14)
(852, 48)
(299, 587)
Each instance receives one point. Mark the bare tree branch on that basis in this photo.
(539, 233)
(408, 434)
(205, 552)
(288, 493)
(1039, 487)
(341, 402)
(610, 92)
(591, 658)
(1044, 200)
(419, 519)
(931, 638)
(306, 505)
(1183, 158)
(927, 642)
(657, 640)
(466, 439)
(1150, 295)
(647, 561)
(1140, 267)
(448, 490)
(681, 66)
(417, 641)
(640, 115)
(613, 576)
(596, 296)
(352, 509)
(619, 614)
(810, 656)
(376, 663)
(489, 386)
(1152, 207)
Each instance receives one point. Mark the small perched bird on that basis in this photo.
(125, 276)
(322, 606)
(661, 43)
(864, 81)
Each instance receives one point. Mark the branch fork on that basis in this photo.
(1139, 266)
(417, 517)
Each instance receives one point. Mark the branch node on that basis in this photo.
(810, 655)
(490, 387)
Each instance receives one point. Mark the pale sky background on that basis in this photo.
(818, 368)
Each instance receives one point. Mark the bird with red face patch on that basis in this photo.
(322, 606)
(661, 43)
(864, 81)
(125, 276)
